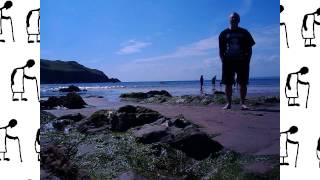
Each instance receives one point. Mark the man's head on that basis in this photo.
(304, 70)
(318, 147)
(318, 11)
(12, 123)
(293, 130)
(234, 20)
(7, 5)
(30, 63)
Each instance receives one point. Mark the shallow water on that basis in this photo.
(111, 91)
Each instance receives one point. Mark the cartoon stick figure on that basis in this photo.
(7, 5)
(292, 85)
(284, 25)
(284, 140)
(318, 151)
(37, 144)
(4, 136)
(17, 80)
(33, 24)
(307, 30)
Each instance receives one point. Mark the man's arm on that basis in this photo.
(221, 47)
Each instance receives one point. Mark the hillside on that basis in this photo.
(59, 72)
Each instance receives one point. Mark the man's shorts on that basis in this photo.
(232, 67)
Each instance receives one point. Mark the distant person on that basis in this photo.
(7, 5)
(213, 82)
(4, 136)
(17, 80)
(235, 45)
(292, 85)
(201, 83)
(307, 30)
(284, 140)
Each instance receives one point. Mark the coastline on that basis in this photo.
(233, 127)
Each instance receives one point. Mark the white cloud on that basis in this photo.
(246, 7)
(132, 46)
(200, 47)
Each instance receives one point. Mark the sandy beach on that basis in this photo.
(254, 132)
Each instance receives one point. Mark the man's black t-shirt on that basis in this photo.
(235, 44)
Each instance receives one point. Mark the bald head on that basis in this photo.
(234, 20)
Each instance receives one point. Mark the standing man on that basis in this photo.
(235, 45)
(201, 83)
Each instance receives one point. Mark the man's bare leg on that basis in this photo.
(228, 91)
(243, 94)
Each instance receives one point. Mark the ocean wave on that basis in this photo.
(83, 88)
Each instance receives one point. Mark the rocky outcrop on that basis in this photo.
(55, 164)
(149, 127)
(63, 72)
(70, 101)
(179, 134)
(125, 118)
(71, 88)
(142, 95)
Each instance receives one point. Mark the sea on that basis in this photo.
(112, 91)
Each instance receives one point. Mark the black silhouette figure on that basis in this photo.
(284, 140)
(37, 144)
(17, 80)
(201, 83)
(235, 50)
(318, 151)
(7, 5)
(4, 136)
(284, 25)
(33, 25)
(292, 86)
(307, 29)
(213, 82)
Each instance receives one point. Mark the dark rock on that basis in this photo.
(141, 95)
(61, 124)
(70, 101)
(71, 88)
(194, 143)
(50, 103)
(219, 93)
(97, 122)
(179, 134)
(55, 161)
(159, 93)
(74, 117)
(125, 118)
(135, 95)
(73, 101)
(179, 122)
(131, 116)
(149, 134)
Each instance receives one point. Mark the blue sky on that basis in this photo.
(146, 40)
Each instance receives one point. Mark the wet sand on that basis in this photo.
(255, 131)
